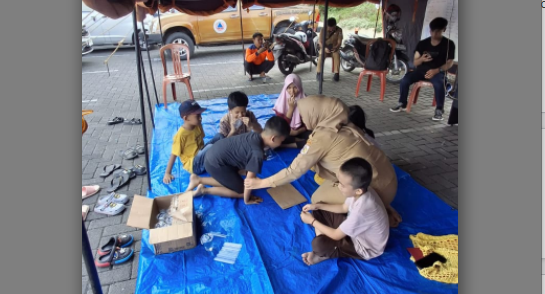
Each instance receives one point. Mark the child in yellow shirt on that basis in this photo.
(188, 143)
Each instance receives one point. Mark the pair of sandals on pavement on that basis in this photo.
(133, 153)
(110, 204)
(122, 176)
(117, 120)
(115, 251)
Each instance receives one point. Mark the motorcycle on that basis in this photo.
(292, 49)
(353, 55)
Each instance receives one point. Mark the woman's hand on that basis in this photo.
(253, 183)
(310, 207)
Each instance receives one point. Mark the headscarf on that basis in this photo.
(322, 113)
(281, 105)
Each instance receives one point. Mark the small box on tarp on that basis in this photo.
(181, 235)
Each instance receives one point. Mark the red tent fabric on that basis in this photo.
(119, 8)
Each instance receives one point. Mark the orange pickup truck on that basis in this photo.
(224, 27)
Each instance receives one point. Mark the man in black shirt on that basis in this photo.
(433, 57)
(228, 156)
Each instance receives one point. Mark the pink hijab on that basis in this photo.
(281, 105)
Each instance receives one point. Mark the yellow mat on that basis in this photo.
(445, 245)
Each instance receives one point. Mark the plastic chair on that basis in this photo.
(178, 75)
(380, 73)
(416, 90)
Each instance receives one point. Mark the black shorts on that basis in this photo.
(226, 176)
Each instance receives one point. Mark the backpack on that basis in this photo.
(379, 55)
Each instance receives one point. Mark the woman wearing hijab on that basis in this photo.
(333, 141)
(286, 107)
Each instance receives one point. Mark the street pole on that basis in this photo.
(141, 92)
(322, 50)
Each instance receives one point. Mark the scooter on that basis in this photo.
(293, 49)
(353, 55)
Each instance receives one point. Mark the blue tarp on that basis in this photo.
(273, 239)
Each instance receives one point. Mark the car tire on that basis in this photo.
(179, 37)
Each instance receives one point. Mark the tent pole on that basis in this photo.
(89, 261)
(242, 35)
(142, 112)
(147, 90)
(322, 50)
(150, 67)
(376, 22)
(313, 50)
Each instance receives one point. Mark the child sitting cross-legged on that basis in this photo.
(358, 228)
(238, 120)
(227, 157)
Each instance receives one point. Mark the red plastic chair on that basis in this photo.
(416, 90)
(178, 75)
(380, 73)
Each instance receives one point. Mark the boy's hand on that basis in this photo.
(252, 183)
(245, 120)
(254, 200)
(310, 207)
(306, 217)
(168, 178)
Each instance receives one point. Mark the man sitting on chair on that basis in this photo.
(433, 57)
(333, 42)
(259, 58)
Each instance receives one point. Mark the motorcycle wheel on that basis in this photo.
(285, 66)
(395, 77)
(347, 66)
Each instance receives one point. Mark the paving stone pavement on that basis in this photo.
(427, 150)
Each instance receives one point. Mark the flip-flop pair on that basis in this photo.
(132, 153)
(109, 169)
(115, 251)
(120, 179)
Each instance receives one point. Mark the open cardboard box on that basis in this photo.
(181, 235)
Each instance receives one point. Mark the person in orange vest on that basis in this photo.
(259, 58)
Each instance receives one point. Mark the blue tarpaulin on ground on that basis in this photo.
(273, 239)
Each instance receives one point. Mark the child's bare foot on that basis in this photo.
(194, 181)
(310, 258)
(199, 191)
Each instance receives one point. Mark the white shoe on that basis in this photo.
(113, 197)
(111, 208)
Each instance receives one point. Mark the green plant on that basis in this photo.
(363, 16)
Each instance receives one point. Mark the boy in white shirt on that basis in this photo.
(358, 228)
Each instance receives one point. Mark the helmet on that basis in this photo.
(393, 13)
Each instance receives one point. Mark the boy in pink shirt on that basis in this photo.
(358, 228)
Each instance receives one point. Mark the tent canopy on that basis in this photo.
(119, 8)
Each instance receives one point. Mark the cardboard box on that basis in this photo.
(181, 235)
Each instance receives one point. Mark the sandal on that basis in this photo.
(88, 191)
(120, 179)
(139, 169)
(116, 120)
(114, 197)
(130, 154)
(123, 241)
(118, 256)
(134, 121)
(111, 208)
(139, 149)
(84, 211)
(109, 169)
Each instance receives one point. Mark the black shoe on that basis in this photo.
(438, 115)
(318, 77)
(336, 77)
(399, 107)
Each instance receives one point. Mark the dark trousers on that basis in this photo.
(324, 246)
(254, 69)
(412, 77)
(216, 138)
(293, 139)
